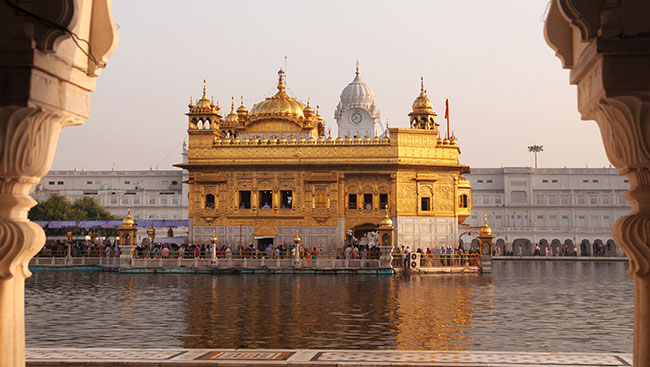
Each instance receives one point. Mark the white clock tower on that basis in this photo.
(356, 113)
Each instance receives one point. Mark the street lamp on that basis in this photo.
(535, 149)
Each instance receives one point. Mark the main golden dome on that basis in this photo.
(279, 105)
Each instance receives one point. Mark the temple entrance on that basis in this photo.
(360, 232)
(263, 242)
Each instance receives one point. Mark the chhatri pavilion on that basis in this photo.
(257, 176)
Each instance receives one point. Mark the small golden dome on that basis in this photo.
(302, 140)
(311, 140)
(308, 111)
(232, 119)
(348, 139)
(376, 140)
(486, 231)
(321, 140)
(242, 110)
(339, 140)
(366, 140)
(422, 104)
(246, 141)
(330, 140)
(292, 139)
(386, 222)
(128, 221)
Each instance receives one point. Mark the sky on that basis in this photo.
(506, 89)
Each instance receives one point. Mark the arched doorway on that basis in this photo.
(522, 247)
(556, 246)
(544, 246)
(585, 247)
(361, 231)
(599, 248)
(568, 244)
(500, 246)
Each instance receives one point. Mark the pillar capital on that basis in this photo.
(606, 44)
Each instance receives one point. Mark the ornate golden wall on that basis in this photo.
(321, 174)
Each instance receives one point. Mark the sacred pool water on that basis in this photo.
(550, 306)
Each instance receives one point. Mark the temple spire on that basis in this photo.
(357, 71)
(204, 94)
(422, 84)
(281, 80)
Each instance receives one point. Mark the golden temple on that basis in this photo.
(258, 176)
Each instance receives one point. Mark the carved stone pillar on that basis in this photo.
(28, 139)
(46, 84)
(607, 47)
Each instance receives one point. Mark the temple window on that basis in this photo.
(209, 201)
(367, 201)
(287, 199)
(383, 201)
(352, 201)
(425, 204)
(463, 201)
(244, 200)
(266, 199)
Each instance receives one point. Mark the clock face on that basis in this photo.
(356, 117)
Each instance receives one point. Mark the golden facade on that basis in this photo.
(256, 177)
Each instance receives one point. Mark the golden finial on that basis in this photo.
(308, 99)
(317, 108)
(204, 88)
(357, 72)
(281, 78)
(232, 103)
(241, 100)
(485, 219)
(422, 84)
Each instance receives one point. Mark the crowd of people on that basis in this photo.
(443, 256)
(80, 249)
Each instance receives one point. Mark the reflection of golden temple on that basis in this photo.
(262, 174)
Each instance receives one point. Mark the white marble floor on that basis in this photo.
(275, 357)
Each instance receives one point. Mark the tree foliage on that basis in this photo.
(57, 207)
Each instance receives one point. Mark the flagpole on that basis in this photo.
(447, 115)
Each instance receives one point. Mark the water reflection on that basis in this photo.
(533, 306)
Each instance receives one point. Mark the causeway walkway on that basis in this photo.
(168, 357)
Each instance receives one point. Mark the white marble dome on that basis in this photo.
(357, 94)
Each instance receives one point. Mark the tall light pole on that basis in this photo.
(535, 149)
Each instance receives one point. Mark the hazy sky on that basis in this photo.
(506, 88)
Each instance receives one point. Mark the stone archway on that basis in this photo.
(585, 247)
(500, 244)
(556, 246)
(544, 246)
(522, 247)
(568, 244)
(599, 248)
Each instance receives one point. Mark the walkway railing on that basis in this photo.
(400, 260)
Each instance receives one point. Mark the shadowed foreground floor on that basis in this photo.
(311, 357)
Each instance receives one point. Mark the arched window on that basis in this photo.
(463, 201)
(206, 125)
(209, 201)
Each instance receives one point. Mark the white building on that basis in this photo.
(149, 194)
(356, 114)
(549, 206)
